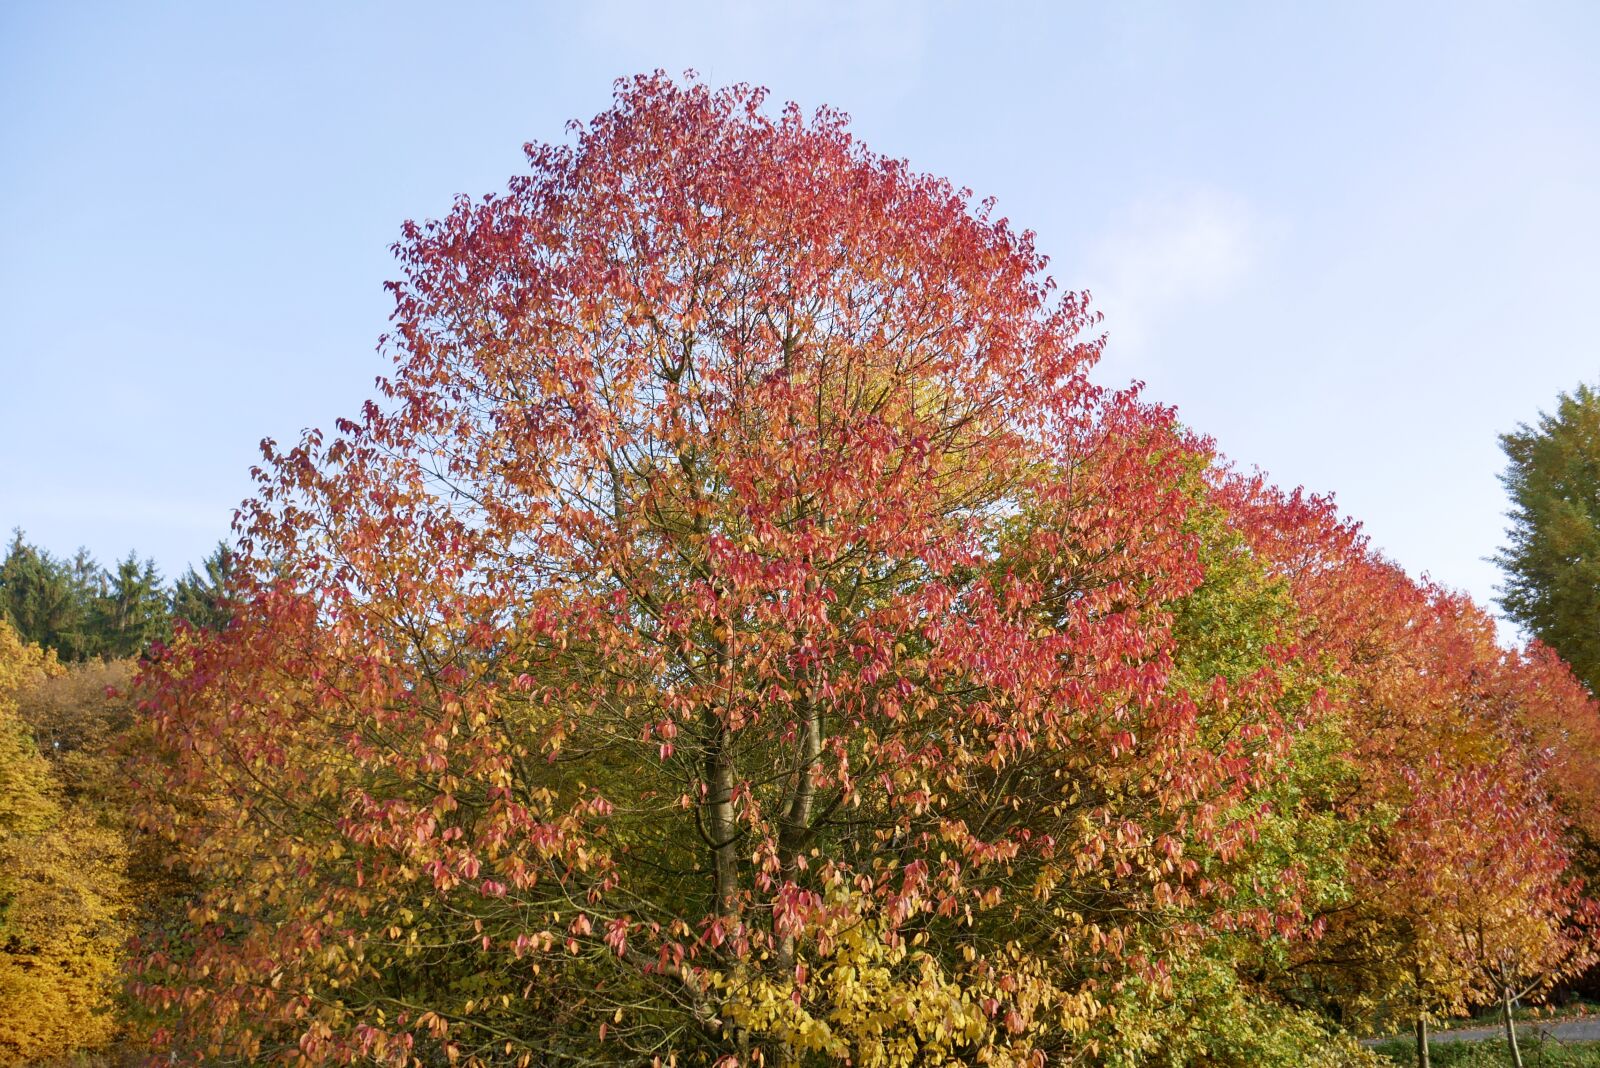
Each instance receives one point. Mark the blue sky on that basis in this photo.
(1353, 242)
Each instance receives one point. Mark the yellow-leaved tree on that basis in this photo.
(62, 889)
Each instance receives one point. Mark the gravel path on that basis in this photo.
(1586, 1029)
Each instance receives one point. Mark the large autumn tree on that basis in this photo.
(741, 633)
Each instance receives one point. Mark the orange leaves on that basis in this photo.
(1466, 867)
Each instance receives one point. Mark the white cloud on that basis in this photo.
(1169, 256)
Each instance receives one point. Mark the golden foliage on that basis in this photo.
(62, 891)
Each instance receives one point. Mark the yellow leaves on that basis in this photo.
(64, 889)
(871, 1000)
(27, 805)
(22, 663)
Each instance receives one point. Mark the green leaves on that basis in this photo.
(1552, 559)
(50, 601)
(81, 610)
(202, 598)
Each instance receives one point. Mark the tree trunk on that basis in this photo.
(1423, 1059)
(721, 828)
(795, 822)
(1511, 1027)
(721, 832)
(793, 836)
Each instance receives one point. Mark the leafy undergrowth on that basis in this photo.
(1492, 1053)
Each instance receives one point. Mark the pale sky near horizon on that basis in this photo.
(1353, 243)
